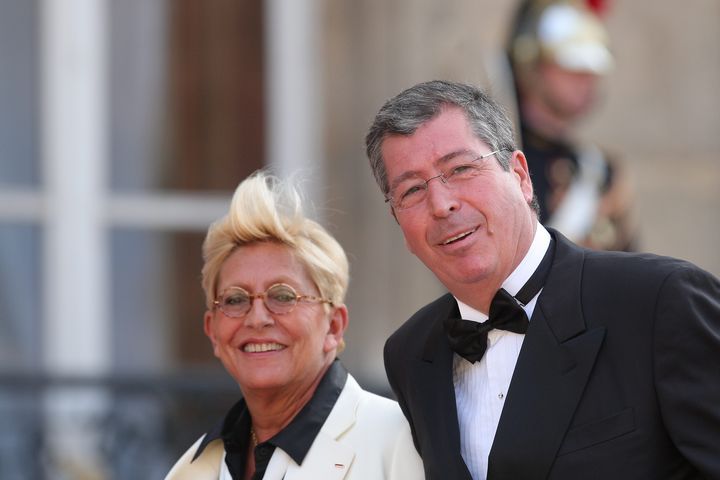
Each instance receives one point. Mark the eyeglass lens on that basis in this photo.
(279, 299)
(461, 168)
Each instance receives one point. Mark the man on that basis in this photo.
(616, 374)
(558, 52)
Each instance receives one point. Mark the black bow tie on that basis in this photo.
(469, 339)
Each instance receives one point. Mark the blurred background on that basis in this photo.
(125, 125)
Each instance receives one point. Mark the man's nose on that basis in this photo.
(441, 198)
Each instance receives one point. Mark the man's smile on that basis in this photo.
(459, 236)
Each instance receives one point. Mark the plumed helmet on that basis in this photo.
(568, 33)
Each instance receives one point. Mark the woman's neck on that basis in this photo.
(273, 411)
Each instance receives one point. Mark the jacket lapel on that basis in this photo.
(328, 458)
(205, 467)
(555, 362)
(435, 396)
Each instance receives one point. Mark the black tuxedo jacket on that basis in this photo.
(618, 376)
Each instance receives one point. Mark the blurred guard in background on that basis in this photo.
(558, 52)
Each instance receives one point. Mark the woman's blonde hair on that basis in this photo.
(267, 209)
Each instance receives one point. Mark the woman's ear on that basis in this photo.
(207, 327)
(336, 329)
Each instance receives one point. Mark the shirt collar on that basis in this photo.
(236, 420)
(514, 282)
(297, 437)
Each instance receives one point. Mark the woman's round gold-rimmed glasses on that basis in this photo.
(279, 299)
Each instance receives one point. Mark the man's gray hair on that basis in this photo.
(407, 111)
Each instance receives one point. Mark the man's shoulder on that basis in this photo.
(626, 262)
(424, 319)
(621, 274)
(626, 273)
(619, 262)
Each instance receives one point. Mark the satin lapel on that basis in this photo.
(434, 397)
(555, 362)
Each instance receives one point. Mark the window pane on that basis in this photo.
(20, 298)
(186, 94)
(18, 93)
(157, 304)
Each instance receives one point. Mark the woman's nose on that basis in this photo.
(258, 316)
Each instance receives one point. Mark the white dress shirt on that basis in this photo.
(481, 387)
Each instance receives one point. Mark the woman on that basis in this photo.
(275, 282)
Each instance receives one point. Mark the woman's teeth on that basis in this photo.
(262, 347)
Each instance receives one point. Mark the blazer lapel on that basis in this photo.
(555, 362)
(435, 396)
(328, 458)
(205, 467)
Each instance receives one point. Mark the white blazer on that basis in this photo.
(364, 437)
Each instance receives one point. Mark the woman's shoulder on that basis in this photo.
(205, 466)
(381, 412)
(383, 433)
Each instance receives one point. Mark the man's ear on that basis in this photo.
(207, 327)
(336, 329)
(519, 166)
